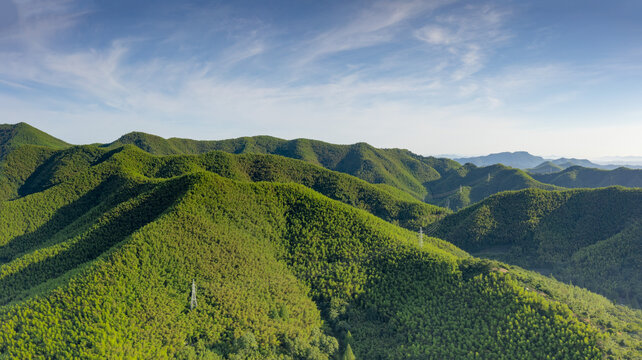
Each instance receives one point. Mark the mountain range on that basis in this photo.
(535, 164)
(303, 250)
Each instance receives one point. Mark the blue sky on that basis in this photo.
(466, 77)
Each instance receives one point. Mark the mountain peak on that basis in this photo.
(13, 135)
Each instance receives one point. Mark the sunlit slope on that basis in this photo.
(14, 135)
(382, 200)
(438, 181)
(99, 264)
(589, 237)
(398, 168)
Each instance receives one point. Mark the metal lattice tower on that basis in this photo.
(192, 304)
(421, 237)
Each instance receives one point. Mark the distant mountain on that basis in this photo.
(534, 164)
(547, 167)
(590, 237)
(518, 159)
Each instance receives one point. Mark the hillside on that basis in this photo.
(547, 167)
(581, 177)
(40, 146)
(441, 182)
(14, 135)
(469, 184)
(591, 238)
(99, 255)
(29, 175)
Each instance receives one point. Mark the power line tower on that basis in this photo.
(193, 304)
(421, 236)
(488, 179)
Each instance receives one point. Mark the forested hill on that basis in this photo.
(25, 173)
(98, 257)
(581, 177)
(437, 181)
(592, 238)
(14, 135)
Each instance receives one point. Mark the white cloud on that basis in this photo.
(466, 37)
(436, 35)
(374, 25)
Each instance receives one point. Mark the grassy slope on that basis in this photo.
(429, 179)
(98, 265)
(581, 177)
(589, 237)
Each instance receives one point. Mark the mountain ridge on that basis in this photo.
(282, 271)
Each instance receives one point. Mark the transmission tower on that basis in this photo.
(488, 179)
(192, 304)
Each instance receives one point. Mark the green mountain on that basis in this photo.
(547, 167)
(441, 182)
(381, 200)
(591, 238)
(17, 136)
(469, 184)
(581, 177)
(100, 249)
(14, 135)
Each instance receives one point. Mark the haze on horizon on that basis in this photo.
(435, 77)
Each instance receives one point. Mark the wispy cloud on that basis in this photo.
(38, 21)
(468, 36)
(374, 25)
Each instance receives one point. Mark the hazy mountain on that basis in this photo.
(534, 164)
(518, 159)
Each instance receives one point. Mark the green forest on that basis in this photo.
(303, 250)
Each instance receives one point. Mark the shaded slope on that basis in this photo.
(582, 177)
(561, 233)
(469, 184)
(271, 261)
(14, 136)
